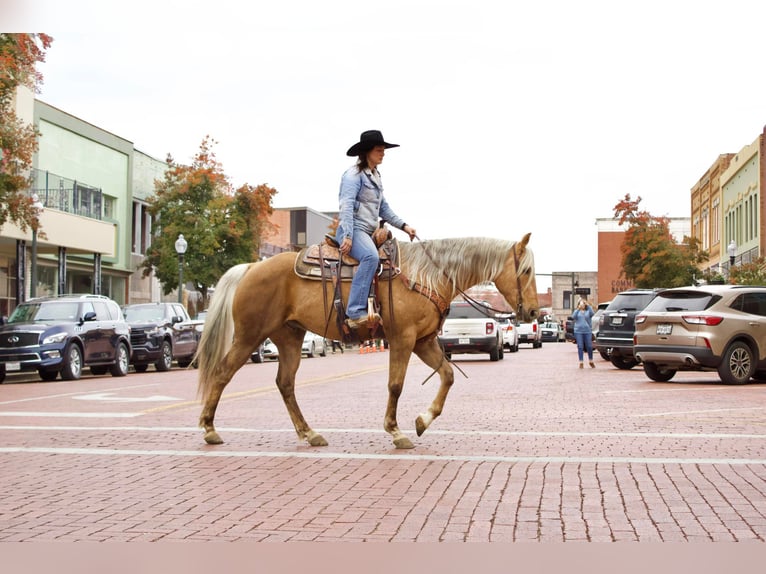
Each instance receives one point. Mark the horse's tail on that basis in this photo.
(218, 333)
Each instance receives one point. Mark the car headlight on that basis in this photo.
(55, 338)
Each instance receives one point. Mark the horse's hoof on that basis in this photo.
(317, 440)
(420, 426)
(403, 442)
(212, 437)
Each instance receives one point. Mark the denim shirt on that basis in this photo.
(582, 320)
(362, 203)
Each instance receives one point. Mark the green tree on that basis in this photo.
(650, 255)
(753, 273)
(223, 227)
(19, 53)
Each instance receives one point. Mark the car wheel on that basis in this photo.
(185, 362)
(122, 361)
(494, 355)
(448, 356)
(98, 370)
(604, 354)
(324, 349)
(738, 365)
(166, 359)
(141, 368)
(659, 374)
(623, 363)
(312, 353)
(256, 357)
(48, 375)
(501, 352)
(2, 376)
(72, 369)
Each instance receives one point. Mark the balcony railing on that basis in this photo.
(67, 195)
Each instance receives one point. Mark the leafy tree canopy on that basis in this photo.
(650, 256)
(223, 226)
(19, 53)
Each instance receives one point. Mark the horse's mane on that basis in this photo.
(464, 262)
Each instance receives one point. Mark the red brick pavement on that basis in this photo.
(527, 449)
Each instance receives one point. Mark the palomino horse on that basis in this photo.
(254, 301)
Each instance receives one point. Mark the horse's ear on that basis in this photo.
(525, 240)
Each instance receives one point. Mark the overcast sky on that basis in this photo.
(511, 116)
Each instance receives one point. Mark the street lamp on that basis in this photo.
(181, 246)
(38, 208)
(732, 250)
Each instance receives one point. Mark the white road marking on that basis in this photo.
(468, 433)
(109, 397)
(323, 454)
(70, 415)
(60, 395)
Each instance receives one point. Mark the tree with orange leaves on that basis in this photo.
(650, 255)
(19, 53)
(223, 226)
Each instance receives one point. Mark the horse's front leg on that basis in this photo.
(431, 354)
(397, 369)
(289, 345)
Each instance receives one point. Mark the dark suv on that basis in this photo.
(159, 334)
(53, 335)
(617, 323)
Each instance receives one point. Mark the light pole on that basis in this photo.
(732, 251)
(181, 246)
(38, 208)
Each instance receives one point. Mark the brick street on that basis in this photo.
(529, 448)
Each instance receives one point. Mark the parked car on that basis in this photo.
(468, 329)
(595, 325)
(267, 350)
(510, 333)
(314, 344)
(616, 325)
(160, 333)
(53, 335)
(551, 332)
(711, 328)
(531, 333)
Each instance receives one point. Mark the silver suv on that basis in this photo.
(471, 330)
(711, 328)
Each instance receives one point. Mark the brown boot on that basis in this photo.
(592, 365)
(362, 321)
(581, 364)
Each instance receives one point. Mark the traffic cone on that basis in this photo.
(382, 346)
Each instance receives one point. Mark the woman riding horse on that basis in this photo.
(268, 299)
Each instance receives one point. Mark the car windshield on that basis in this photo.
(682, 301)
(148, 313)
(42, 312)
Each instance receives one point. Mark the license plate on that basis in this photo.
(664, 329)
(14, 366)
(616, 320)
(464, 341)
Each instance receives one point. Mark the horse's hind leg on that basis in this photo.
(289, 343)
(431, 354)
(232, 361)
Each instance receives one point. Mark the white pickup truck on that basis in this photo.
(471, 330)
(530, 333)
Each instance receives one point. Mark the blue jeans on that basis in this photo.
(584, 342)
(363, 250)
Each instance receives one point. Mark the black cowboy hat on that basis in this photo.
(367, 141)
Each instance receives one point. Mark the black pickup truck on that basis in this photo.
(159, 334)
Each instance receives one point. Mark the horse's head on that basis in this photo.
(517, 281)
